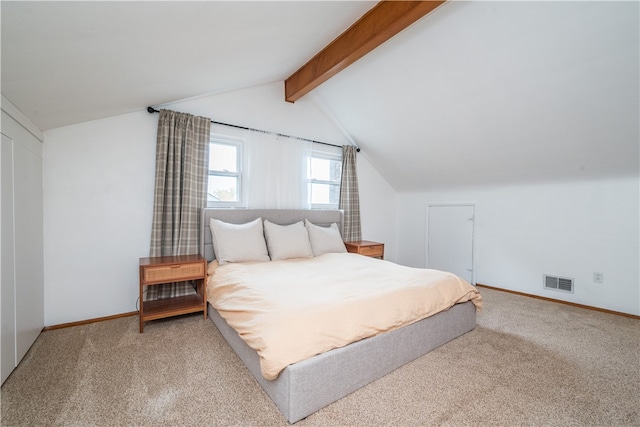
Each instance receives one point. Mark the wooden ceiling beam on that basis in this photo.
(384, 21)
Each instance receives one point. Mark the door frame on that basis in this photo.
(473, 233)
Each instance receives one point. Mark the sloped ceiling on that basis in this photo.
(475, 93)
(483, 93)
(74, 61)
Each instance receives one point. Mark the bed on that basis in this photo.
(303, 387)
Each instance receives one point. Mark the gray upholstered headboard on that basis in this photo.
(278, 216)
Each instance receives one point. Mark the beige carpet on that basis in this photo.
(528, 363)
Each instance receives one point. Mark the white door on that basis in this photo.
(450, 239)
(7, 269)
(28, 261)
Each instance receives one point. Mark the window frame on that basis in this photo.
(326, 155)
(235, 142)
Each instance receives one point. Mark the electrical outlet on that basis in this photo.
(598, 277)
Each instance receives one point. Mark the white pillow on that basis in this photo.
(238, 242)
(287, 241)
(325, 240)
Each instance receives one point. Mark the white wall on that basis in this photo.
(263, 107)
(98, 196)
(567, 229)
(377, 208)
(98, 200)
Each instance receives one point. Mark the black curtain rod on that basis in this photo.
(152, 110)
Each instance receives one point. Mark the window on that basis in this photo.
(324, 170)
(225, 176)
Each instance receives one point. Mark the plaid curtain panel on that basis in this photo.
(349, 199)
(182, 155)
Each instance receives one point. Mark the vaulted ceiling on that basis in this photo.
(474, 93)
(68, 62)
(499, 92)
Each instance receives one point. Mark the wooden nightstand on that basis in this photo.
(168, 269)
(364, 247)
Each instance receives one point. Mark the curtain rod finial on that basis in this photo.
(152, 110)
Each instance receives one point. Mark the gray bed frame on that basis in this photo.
(307, 386)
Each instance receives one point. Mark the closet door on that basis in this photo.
(29, 271)
(7, 271)
(21, 234)
(450, 239)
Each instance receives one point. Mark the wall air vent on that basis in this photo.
(556, 283)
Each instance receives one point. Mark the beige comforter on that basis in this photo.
(291, 310)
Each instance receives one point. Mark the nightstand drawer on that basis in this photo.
(366, 248)
(174, 272)
(372, 251)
